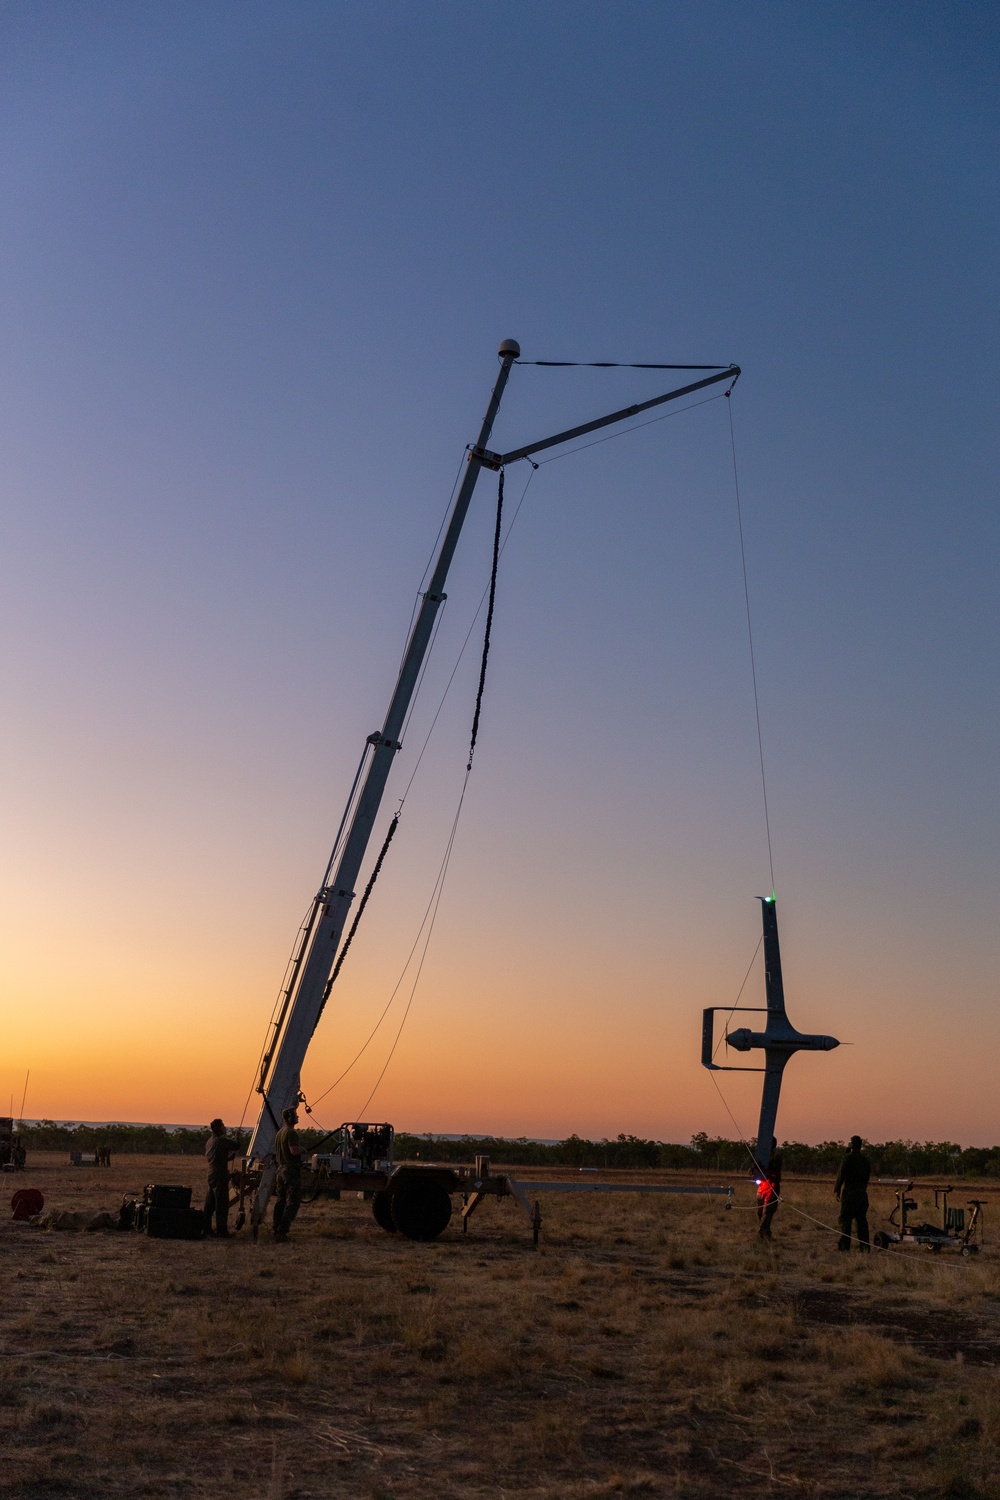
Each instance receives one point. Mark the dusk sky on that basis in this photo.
(255, 264)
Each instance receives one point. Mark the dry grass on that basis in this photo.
(649, 1348)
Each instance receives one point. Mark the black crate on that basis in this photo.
(174, 1223)
(158, 1195)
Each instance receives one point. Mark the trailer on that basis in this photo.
(414, 1199)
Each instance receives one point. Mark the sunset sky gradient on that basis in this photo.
(256, 262)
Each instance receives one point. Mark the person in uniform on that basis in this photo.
(288, 1185)
(769, 1193)
(219, 1150)
(851, 1189)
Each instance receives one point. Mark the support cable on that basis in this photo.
(468, 637)
(609, 364)
(358, 915)
(489, 623)
(753, 664)
(289, 969)
(435, 904)
(427, 566)
(627, 431)
(430, 914)
(739, 992)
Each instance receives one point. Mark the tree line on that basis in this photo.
(704, 1153)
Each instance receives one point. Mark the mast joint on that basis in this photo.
(486, 458)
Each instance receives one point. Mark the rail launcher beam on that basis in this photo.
(415, 1199)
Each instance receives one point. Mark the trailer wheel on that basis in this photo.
(382, 1209)
(421, 1210)
(880, 1240)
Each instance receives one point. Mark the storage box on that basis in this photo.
(160, 1195)
(174, 1223)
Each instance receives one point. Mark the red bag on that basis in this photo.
(26, 1203)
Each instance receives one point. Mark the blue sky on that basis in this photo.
(256, 262)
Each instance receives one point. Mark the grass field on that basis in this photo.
(649, 1347)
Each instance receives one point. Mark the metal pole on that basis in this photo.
(281, 1084)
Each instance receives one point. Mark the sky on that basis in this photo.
(255, 264)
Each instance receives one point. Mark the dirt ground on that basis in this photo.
(649, 1347)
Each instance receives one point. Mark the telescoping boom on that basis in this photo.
(313, 962)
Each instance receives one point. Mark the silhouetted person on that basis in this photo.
(851, 1189)
(288, 1184)
(219, 1150)
(769, 1193)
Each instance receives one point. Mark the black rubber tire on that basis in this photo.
(421, 1210)
(382, 1209)
(880, 1240)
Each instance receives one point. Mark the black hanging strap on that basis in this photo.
(360, 911)
(489, 623)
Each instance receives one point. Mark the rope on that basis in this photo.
(738, 994)
(468, 637)
(489, 623)
(274, 1011)
(358, 915)
(431, 911)
(627, 431)
(753, 664)
(371, 1035)
(435, 902)
(433, 552)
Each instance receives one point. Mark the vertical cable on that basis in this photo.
(753, 664)
(489, 620)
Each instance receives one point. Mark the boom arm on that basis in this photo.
(309, 983)
(280, 1074)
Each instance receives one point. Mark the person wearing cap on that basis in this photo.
(219, 1150)
(288, 1184)
(851, 1189)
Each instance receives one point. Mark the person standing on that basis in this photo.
(851, 1190)
(288, 1184)
(219, 1150)
(769, 1193)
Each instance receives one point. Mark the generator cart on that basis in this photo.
(957, 1231)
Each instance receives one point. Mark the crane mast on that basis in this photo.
(301, 1002)
(305, 994)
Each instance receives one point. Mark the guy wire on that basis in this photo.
(736, 1002)
(499, 542)
(753, 664)
(468, 637)
(436, 902)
